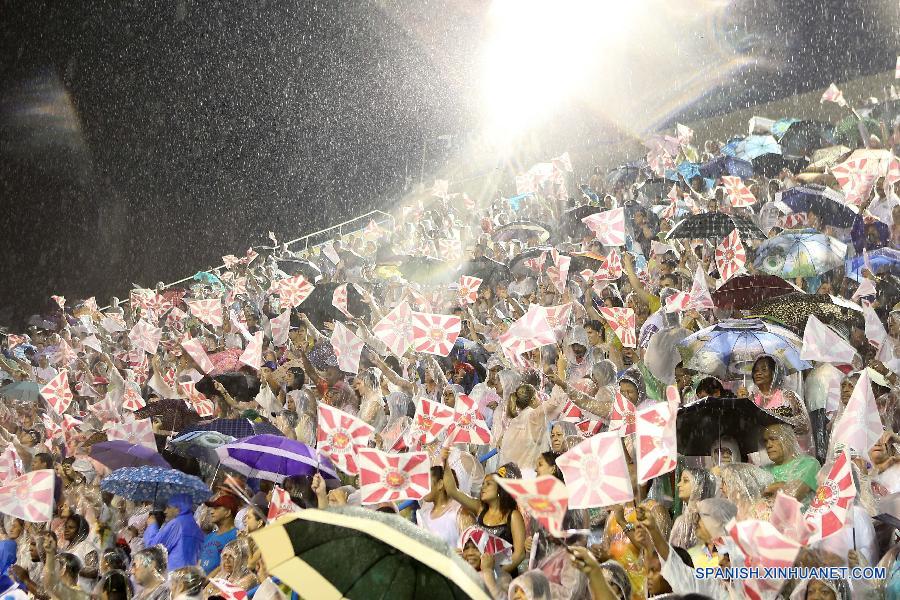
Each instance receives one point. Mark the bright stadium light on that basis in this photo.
(539, 53)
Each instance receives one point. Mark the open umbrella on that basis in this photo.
(299, 266)
(23, 391)
(173, 414)
(319, 305)
(153, 484)
(236, 428)
(745, 291)
(733, 345)
(826, 202)
(701, 424)
(273, 458)
(571, 220)
(392, 558)
(119, 453)
(714, 225)
(428, 270)
(757, 145)
(487, 269)
(522, 230)
(625, 175)
(803, 137)
(200, 445)
(517, 264)
(771, 164)
(726, 165)
(799, 253)
(883, 260)
(847, 131)
(655, 188)
(794, 309)
(828, 157)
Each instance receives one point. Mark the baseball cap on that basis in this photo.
(227, 500)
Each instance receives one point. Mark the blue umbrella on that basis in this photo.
(236, 428)
(200, 445)
(733, 345)
(780, 127)
(826, 203)
(730, 148)
(120, 453)
(757, 145)
(799, 253)
(24, 391)
(726, 165)
(883, 260)
(154, 484)
(273, 458)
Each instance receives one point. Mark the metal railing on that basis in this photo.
(380, 217)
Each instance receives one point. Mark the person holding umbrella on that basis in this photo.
(180, 535)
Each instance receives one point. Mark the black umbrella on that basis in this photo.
(726, 165)
(319, 306)
(522, 230)
(625, 175)
(700, 424)
(571, 220)
(803, 137)
(428, 271)
(715, 225)
(771, 164)
(297, 266)
(585, 260)
(517, 263)
(491, 271)
(655, 188)
(827, 203)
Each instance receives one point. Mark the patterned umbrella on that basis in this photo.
(173, 414)
(521, 230)
(757, 145)
(236, 428)
(119, 453)
(714, 225)
(200, 445)
(732, 346)
(153, 484)
(273, 458)
(393, 558)
(745, 291)
(794, 309)
(226, 361)
(800, 253)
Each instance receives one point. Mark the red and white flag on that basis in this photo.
(340, 435)
(622, 416)
(281, 327)
(486, 542)
(131, 398)
(469, 426)
(387, 477)
(557, 316)
(281, 504)
(134, 431)
(536, 264)
(292, 290)
(897, 69)
(730, 255)
(450, 249)
(339, 300)
(787, 517)
(57, 393)
(544, 498)
(621, 320)
(64, 354)
(209, 311)
(608, 226)
(202, 405)
(738, 192)
(430, 421)
(559, 272)
(29, 497)
(347, 348)
(113, 322)
(700, 296)
(468, 289)
(433, 333)
(395, 329)
(859, 426)
(596, 472)
(821, 343)
(198, 353)
(589, 427)
(672, 197)
(833, 94)
(11, 464)
(762, 544)
(157, 303)
(857, 178)
(828, 509)
(175, 318)
(252, 355)
(531, 331)
(571, 413)
(230, 591)
(655, 442)
(145, 336)
(795, 220)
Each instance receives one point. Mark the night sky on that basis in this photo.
(142, 140)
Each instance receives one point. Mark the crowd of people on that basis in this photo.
(633, 321)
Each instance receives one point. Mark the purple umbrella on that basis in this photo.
(273, 458)
(119, 453)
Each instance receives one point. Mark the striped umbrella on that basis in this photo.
(273, 458)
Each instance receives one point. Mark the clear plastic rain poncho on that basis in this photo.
(743, 484)
(534, 585)
(684, 529)
(716, 513)
(795, 466)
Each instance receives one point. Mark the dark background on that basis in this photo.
(142, 140)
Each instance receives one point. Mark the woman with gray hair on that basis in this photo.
(187, 583)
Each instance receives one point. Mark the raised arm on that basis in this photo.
(467, 501)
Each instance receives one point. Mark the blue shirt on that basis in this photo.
(211, 550)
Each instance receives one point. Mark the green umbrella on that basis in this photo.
(847, 131)
(24, 391)
(357, 553)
